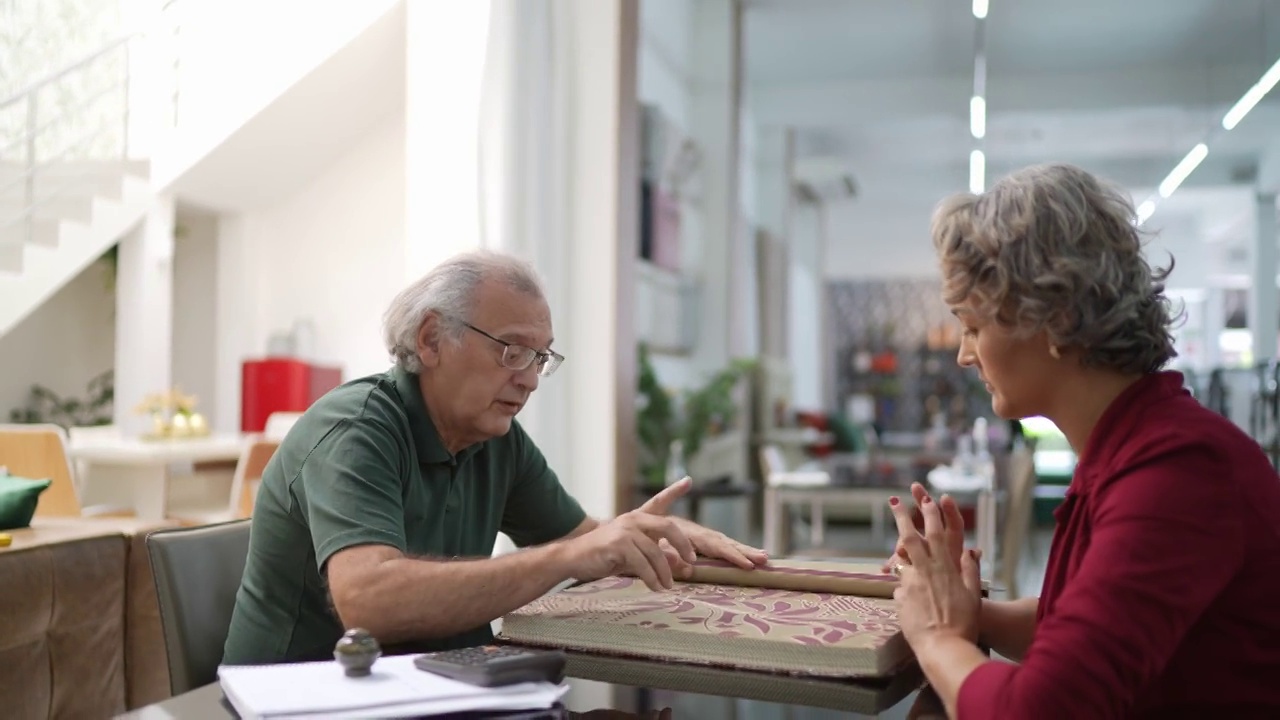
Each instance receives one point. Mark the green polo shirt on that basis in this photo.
(364, 465)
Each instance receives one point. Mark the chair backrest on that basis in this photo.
(1019, 511)
(771, 461)
(39, 452)
(244, 485)
(197, 573)
(278, 425)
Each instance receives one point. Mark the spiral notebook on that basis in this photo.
(825, 619)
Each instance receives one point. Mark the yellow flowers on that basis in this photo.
(173, 414)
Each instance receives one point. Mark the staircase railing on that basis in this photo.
(79, 112)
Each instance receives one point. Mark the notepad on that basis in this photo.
(394, 689)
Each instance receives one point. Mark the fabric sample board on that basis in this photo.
(800, 628)
(868, 696)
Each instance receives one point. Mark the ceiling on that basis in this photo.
(308, 128)
(881, 88)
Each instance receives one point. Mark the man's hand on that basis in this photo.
(707, 542)
(629, 544)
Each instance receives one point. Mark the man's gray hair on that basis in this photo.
(448, 290)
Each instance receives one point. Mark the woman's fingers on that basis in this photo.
(971, 571)
(954, 522)
(934, 532)
(909, 540)
(918, 493)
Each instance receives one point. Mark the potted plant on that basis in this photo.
(655, 423)
(46, 406)
(664, 418)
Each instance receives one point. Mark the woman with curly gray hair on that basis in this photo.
(1160, 589)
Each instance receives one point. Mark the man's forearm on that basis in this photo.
(1007, 626)
(409, 599)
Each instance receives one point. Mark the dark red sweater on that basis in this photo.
(1162, 591)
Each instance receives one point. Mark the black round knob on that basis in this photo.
(356, 652)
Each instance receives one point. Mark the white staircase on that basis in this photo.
(43, 246)
(68, 189)
(70, 183)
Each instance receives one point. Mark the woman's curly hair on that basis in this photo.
(1051, 247)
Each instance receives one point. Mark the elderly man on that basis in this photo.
(381, 507)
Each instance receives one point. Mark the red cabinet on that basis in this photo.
(281, 385)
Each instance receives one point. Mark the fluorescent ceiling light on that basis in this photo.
(980, 9)
(978, 116)
(977, 171)
(1183, 169)
(1250, 98)
(1145, 210)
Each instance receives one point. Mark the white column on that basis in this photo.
(603, 179)
(144, 315)
(1214, 322)
(236, 320)
(444, 71)
(775, 174)
(1269, 167)
(715, 119)
(599, 58)
(1264, 300)
(805, 306)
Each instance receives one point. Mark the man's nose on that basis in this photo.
(527, 379)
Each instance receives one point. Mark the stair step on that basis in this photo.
(11, 255)
(70, 207)
(105, 186)
(43, 232)
(102, 178)
(78, 168)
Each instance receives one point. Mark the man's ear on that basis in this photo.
(428, 346)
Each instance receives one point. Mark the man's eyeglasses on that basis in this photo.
(519, 357)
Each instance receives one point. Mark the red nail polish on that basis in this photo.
(893, 500)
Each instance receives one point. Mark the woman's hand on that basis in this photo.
(952, 522)
(936, 598)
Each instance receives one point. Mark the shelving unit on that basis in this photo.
(667, 309)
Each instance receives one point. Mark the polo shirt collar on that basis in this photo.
(1121, 418)
(431, 449)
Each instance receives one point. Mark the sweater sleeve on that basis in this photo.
(1162, 546)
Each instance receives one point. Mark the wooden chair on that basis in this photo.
(279, 424)
(40, 451)
(244, 488)
(1019, 509)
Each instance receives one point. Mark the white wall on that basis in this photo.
(63, 344)
(195, 287)
(332, 253)
(879, 237)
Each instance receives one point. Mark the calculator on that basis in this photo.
(495, 665)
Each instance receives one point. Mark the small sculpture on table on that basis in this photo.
(173, 415)
(356, 652)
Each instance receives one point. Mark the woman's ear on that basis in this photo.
(428, 345)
